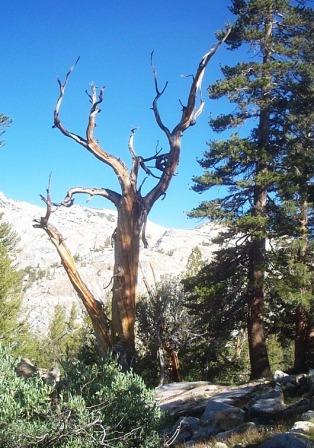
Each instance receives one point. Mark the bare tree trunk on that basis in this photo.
(173, 363)
(132, 207)
(175, 366)
(126, 249)
(161, 358)
(93, 307)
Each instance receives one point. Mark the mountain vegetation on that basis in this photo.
(266, 169)
(234, 318)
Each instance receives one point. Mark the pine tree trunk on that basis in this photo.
(260, 367)
(127, 247)
(301, 339)
(310, 346)
(302, 318)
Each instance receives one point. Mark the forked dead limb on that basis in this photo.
(94, 308)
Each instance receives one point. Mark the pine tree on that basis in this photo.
(10, 286)
(195, 262)
(248, 166)
(65, 335)
(296, 184)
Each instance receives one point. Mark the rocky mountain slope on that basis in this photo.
(88, 234)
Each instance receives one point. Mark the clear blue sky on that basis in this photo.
(40, 40)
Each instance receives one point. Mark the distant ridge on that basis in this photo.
(88, 234)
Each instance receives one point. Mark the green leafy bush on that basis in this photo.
(96, 406)
(122, 399)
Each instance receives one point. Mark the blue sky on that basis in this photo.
(41, 39)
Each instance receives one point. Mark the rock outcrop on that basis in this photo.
(26, 369)
(212, 412)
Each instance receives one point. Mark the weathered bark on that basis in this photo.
(161, 358)
(93, 307)
(131, 216)
(173, 363)
(175, 366)
(132, 207)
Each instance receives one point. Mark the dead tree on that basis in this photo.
(132, 206)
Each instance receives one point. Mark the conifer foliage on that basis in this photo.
(255, 164)
(10, 286)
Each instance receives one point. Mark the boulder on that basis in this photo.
(220, 445)
(309, 415)
(286, 440)
(183, 430)
(267, 407)
(279, 375)
(241, 429)
(303, 427)
(297, 408)
(180, 399)
(25, 368)
(51, 376)
(203, 433)
(221, 416)
(271, 393)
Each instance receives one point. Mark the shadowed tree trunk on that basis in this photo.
(310, 345)
(132, 207)
(303, 330)
(259, 362)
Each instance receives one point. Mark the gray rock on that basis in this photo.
(241, 429)
(25, 368)
(302, 427)
(297, 408)
(309, 415)
(284, 378)
(51, 376)
(289, 387)
(181, 436)
(286, 440)
(267, 406)
(278, 375)
(220, 445)
(271, 393)
(203, 433)
(221, 416)
(183, 429)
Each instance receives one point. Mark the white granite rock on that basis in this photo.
(87, 232)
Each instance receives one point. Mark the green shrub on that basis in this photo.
(97, 405)
(122, 399)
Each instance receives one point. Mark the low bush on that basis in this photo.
(96, 406)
